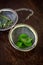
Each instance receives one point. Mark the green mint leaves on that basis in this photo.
(24, 41)
(5, 21)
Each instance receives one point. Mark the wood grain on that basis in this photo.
(10, 56)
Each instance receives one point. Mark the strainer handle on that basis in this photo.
(25, 9)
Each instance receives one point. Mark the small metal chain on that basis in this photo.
(26, 9)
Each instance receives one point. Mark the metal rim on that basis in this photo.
(8, 9)
(22, 25)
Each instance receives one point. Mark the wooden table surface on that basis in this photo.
(10, 56)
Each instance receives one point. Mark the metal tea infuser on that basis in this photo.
(16, 30)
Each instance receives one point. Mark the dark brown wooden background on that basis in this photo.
(10, 56)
